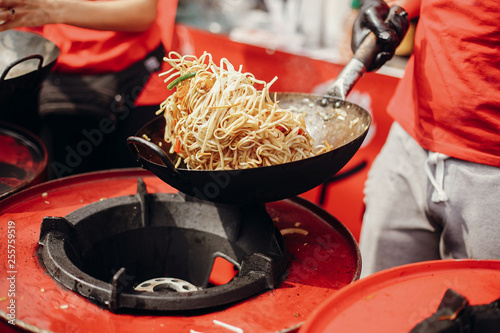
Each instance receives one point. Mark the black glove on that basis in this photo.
(373, 16)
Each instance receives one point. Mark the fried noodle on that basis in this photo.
(218, 119)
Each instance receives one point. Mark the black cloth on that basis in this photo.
(85, 119)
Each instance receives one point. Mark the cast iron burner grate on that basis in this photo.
(156, 251)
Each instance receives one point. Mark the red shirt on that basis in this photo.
(86, 51)
(449, 97)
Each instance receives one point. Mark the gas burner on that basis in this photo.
(157, 251)
(321, 258)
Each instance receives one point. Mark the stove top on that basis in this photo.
(322, 258)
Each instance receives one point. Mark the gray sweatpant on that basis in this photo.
(421, 206)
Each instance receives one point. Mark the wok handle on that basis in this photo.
(17, 62)
(356, 67)
(352, 72)
(133, 140)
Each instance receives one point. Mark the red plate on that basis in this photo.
(395, 300)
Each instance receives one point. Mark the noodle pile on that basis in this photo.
(218, 120)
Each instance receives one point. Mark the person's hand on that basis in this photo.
(373, 16)
(7, 15)
(31, 13)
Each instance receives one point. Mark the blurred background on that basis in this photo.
(320, 29)
(313, 27)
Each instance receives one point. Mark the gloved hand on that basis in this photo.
(373, 16)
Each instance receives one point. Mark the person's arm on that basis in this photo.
(116, 15)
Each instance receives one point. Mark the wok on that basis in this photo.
(262, 184)
(25, 61)
(344, 124)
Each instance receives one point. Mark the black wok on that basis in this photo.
(330, 117)
(263, 184)
(25, 61)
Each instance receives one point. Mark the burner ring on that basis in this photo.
(175, 284)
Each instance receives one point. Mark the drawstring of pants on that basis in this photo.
(437, 180)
